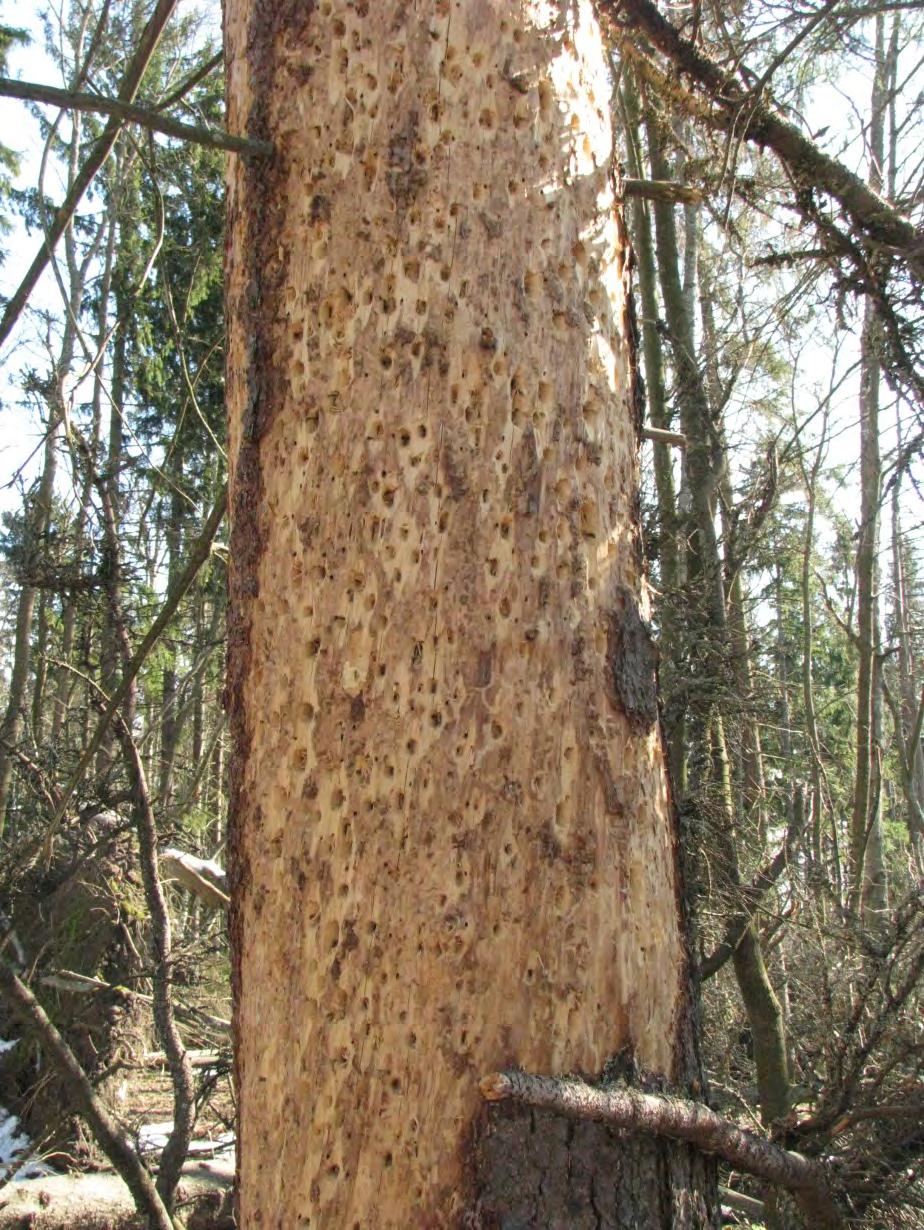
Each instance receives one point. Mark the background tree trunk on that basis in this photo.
(867, 887)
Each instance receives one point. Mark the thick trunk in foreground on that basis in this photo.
(453, 846)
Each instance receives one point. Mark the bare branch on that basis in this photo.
(191, 81)
(739, 922)
(101, 150)
(130, 113)
(661, 435)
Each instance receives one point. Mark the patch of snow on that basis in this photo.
(7, 1045)
(14, 1146)
(11, 1143)
(152, 1138)
(215, 1144)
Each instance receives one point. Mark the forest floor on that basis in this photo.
(47, 1190)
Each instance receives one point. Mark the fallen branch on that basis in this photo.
(83, 984)
(130, 113)
(692, 1122)
(108, 1131)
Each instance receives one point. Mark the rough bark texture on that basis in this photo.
(452, 845)
(683, 1120)
(540, 1169)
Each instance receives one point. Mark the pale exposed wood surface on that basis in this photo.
(451, 849)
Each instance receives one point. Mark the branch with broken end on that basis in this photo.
(662, 190)
(659, 1115)
(660, 435)
(202, 877)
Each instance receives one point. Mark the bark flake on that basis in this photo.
(632, 663)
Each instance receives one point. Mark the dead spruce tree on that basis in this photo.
(453, 846)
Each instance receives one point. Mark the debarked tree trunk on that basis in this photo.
(453, 846)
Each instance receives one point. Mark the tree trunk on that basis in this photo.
(866, 879)
(911, 760)
(36, 522)
(670, 540)
(452, 846)
(115, 459)
(170, 718)
(820, 870)
(709, 650)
